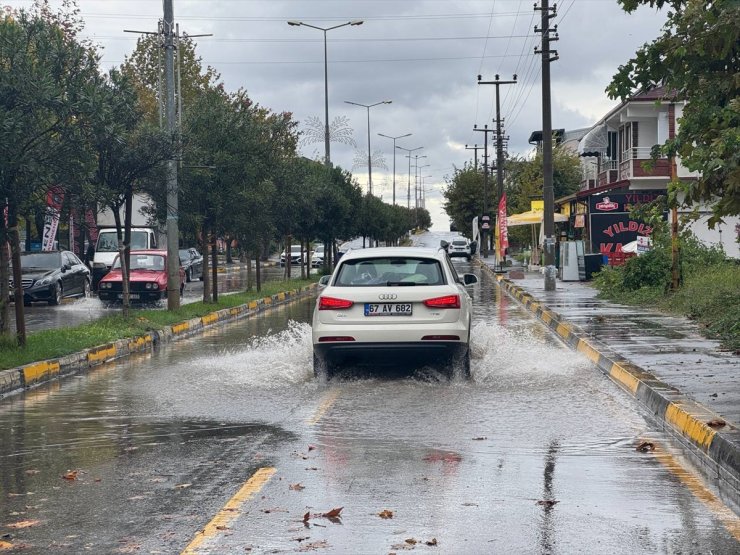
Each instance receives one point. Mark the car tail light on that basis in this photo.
(441, 338)
(331, 303)
(448, 301)
(329, 338)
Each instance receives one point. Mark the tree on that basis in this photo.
(697, 58)
(464, 197)
(44, 71)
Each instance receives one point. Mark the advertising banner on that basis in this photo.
(54, 199)
(503, 231)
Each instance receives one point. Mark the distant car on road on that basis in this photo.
(192, 262)
(295, 256)
(392, 305)
(317, 258)
(52, 276)
(459, 247)
(148, 278)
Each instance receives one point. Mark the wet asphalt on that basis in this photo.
(535, 454)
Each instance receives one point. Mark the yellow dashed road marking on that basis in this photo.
(728, 518)
(325, 405)
(231, 510)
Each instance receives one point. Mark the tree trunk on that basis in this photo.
(288, 257)
(229, 259)
(214, 266)
(4, 278)
(206, 265)
(248, 262)
(126, 261)
(15, 250)
(258, 269)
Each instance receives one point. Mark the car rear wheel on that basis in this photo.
(56, 295)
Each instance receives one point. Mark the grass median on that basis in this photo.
(50, 344)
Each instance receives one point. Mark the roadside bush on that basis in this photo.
(652, 269)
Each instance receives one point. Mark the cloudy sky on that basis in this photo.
(423, 55)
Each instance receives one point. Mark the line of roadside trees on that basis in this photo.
(98, 138)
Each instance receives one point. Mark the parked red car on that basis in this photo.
(148, 278)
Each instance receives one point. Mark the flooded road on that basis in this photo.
(225, 443)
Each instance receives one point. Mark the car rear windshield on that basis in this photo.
(459, 242)
(372, 272)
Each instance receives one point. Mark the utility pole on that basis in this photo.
(549, 219)
(499, 151)
(173, 231)
(475, 150)
(485, 223)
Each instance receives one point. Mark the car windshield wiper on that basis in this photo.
(402, 283)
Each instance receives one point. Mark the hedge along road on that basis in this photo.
(226, 442)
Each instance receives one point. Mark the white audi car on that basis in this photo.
(393, 305)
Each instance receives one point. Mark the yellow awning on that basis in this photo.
(532, 217)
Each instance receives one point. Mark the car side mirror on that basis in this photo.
(444, 244)
(469, 279)
(66, 267)
(324, 281)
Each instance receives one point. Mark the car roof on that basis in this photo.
(379, 252)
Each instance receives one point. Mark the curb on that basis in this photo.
(30, 375)
(715, 449)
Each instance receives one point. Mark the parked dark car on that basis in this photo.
(147, 279)
(52, 276)
(192, 262)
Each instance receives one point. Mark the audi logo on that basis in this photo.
(387, 296)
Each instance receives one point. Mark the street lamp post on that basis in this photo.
(327, 155)
(419, 181)
(369, 153)
(408, 192)
(394, 159)
(424, 191)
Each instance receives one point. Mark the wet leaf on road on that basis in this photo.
(22, 524)
(320, 544)
(645, 446)
(71, 475)
(334, 513)
(297, 487)
(432, 542)
(547, 502)
(5, 545)
(301, 538)
(411, 541)
(311, 447)
(306, 517)
(385, 514)
(716, 423)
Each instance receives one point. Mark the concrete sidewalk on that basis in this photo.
(682, 378)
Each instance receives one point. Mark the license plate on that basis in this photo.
(388, 309)
(133, 296)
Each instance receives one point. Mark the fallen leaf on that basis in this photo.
(222, 527)
(716, 423)
(479, 438)
(301, 538)
(182, 486)
(334, 513)
(311, 447)
(5, 545)
(645, 446)
(547, 502)
(431, 542)
(320, 544)
(71, 475)
(296, 487)
(306, 517)
(385, 514)
(411, 541)
(22, 524)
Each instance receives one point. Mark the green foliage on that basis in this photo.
(464, 197)
(697, 58)
(710, 291)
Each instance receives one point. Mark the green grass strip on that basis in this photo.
(50, 344)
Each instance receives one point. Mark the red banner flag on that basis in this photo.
(54, 199)
(503, 231)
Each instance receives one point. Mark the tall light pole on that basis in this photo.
(327, 155)
(408, 191)
(394, 159)
(369, 152)
(419, 180)
(423, 190)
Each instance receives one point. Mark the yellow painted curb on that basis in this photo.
(180, 328)
(689, 425)
(40, 370)
(624, 377)
(209, 318)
